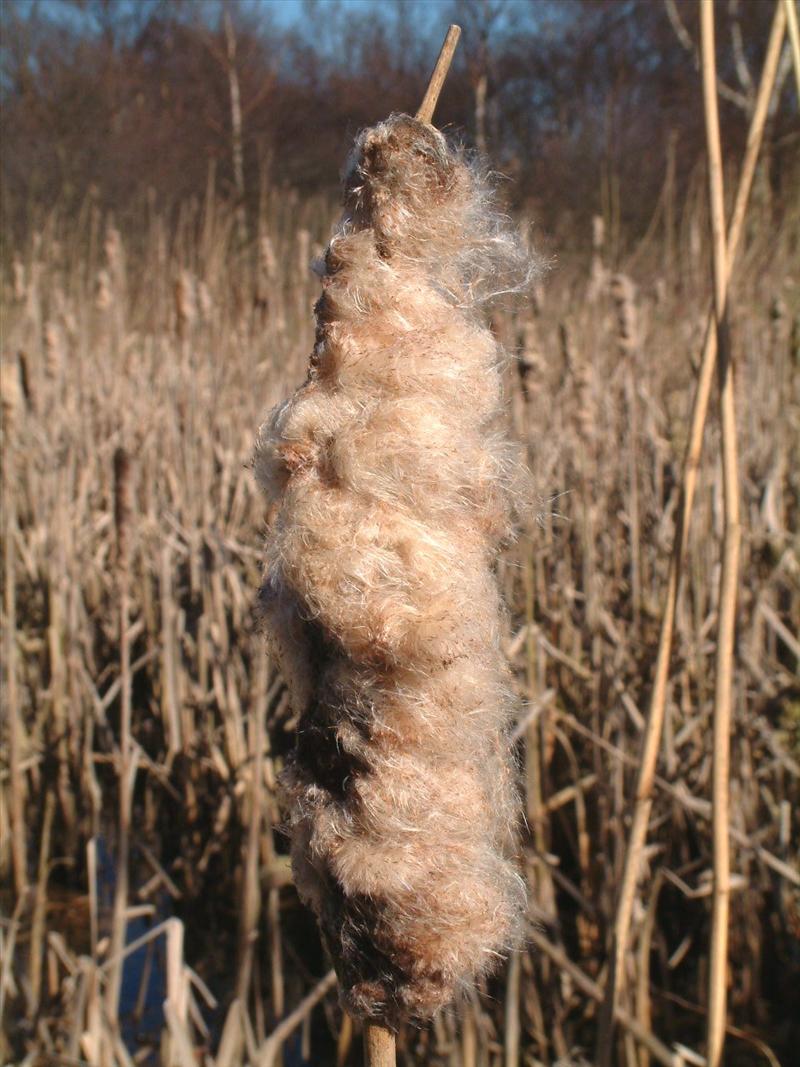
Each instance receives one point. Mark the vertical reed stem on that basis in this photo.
(512, 1021)
(720, 773)
(794, 38)
(119, 924)
(379, 1047)
(251, 895)
(431, 98)
(16, 803)
(652, 737)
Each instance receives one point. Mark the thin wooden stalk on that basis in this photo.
(251, 896)
(512, 1020)
(270, 1048)
(658, 1050)
(794, 38)
(17, 784)
(431, 98)
(119, 924)
(379, 1047)
(39, 909)
(729, 577)
(652, 737)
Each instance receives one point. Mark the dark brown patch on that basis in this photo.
(319, 753)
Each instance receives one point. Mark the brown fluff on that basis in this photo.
(391, 485)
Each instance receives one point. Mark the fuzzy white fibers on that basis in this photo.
(391, 485)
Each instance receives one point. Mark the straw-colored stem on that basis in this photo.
(794, 38)
(512, 1021)
(431, 98)
(379, 1047)
(18, 847)
(591, 989)
(38, 926)
(652, 737)
(720, 773)
(269, 1050)
(251, 895)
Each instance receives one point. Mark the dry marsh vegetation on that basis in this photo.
(143, 717)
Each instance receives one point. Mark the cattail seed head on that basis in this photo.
(205, 301)
(10, 396)
(112, 247)
(266, 257)
(623, 292)
(185, 302)
(18, 275)
(389, 502)
(122, 504)
(103, 297)
(530, 361)
(53, 349)
(303, 253)
(598, 277)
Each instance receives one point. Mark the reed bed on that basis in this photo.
(143, 717)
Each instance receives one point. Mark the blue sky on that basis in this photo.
(285, 12)
(289, 12)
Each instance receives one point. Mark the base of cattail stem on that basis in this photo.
(379, 1047)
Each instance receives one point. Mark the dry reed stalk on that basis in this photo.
(623, 293)
(12, 413)
(652, 738)
(38, 926)
(251, 895)
(720, 786)
(794, 38)
(591, 989)
(122, 516)
(379, 1047)
(271, 1047)
(437, 79)
(60, 713)
(512, 1028)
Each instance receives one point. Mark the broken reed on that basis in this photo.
(208, 715)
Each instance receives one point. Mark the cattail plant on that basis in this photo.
(392, 484)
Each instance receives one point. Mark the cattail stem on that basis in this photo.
(720, 774)
(431, 98)
(794, 38)
(691, 463)
(379, 1047)
(251, 895)
(122, 511)
(11, 701)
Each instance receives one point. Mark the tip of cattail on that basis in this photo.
(102, 291)
(623, 293)
(122, 503)
(185, 301)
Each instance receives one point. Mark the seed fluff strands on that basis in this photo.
(391, 485)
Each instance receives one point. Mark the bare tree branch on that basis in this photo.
(683, 35)
(740, 59)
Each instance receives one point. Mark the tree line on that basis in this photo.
(575, 100)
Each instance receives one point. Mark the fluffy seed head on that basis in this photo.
(391, 484)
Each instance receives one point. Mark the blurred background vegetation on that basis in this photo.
(577, 101)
